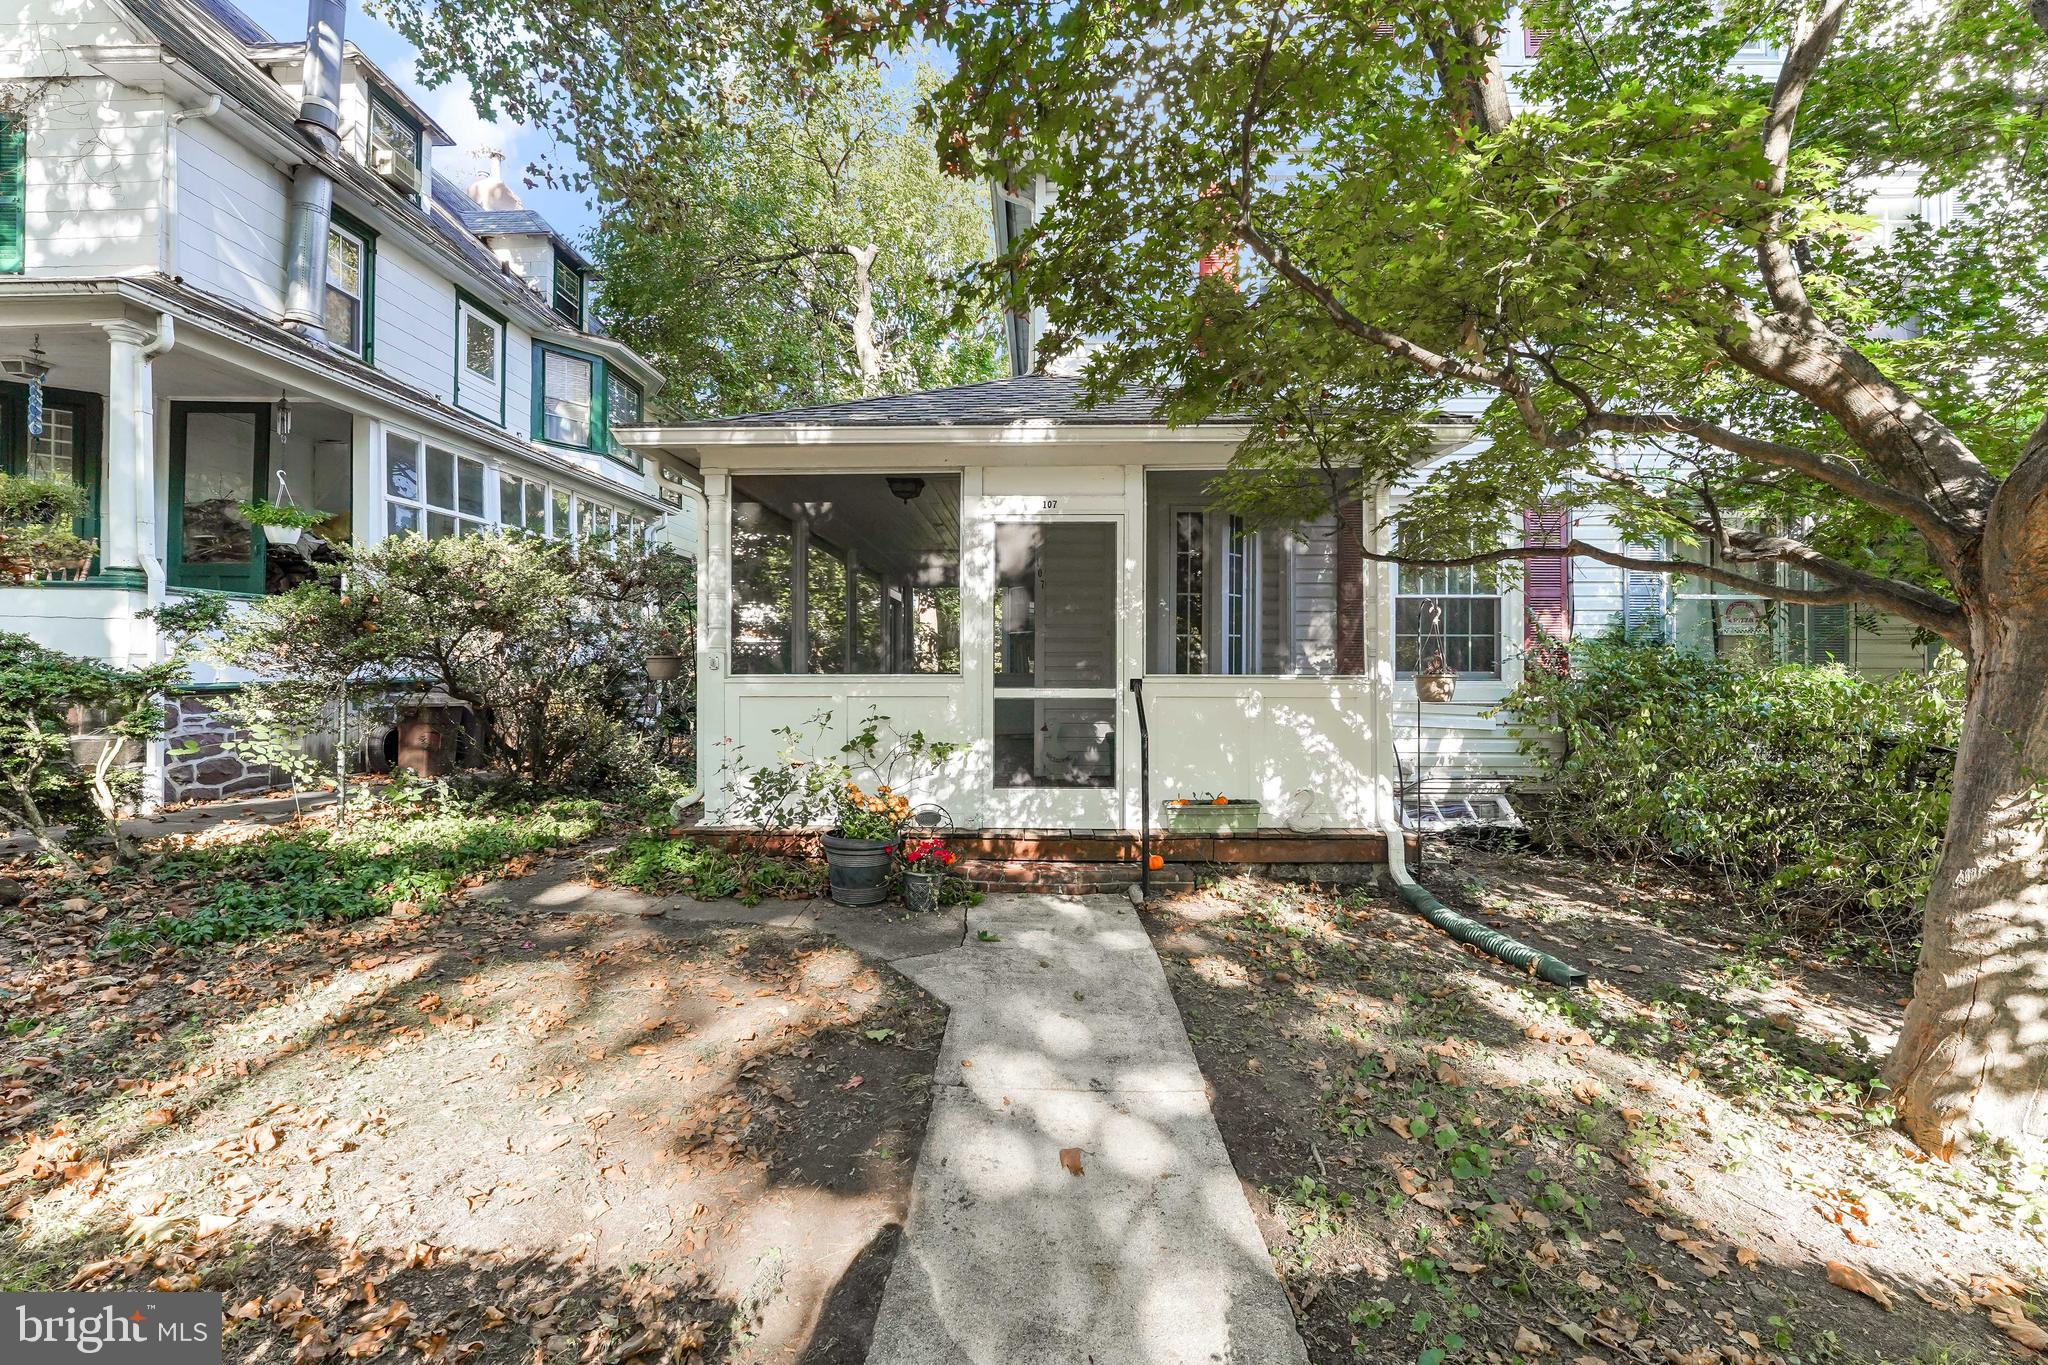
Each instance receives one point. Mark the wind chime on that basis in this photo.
(31, 369)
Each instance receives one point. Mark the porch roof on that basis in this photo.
(1036, 398)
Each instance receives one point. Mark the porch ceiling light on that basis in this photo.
(906, 486)
(32, 368)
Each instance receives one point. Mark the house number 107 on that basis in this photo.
(1048, 504)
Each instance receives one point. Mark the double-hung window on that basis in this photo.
(395, 146)
(480, 367)
(351, 282)
(578, 399)
(431, 491)
(568, 407)
(622, 408)
(568, 298)
(1448, 614)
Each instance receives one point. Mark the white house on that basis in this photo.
(996, 564)
(230, 271)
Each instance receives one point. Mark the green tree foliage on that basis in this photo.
(799, 250)
(543, 639)
(1816, 794)
(50, 779)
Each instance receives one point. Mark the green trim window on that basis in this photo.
(13, 195)
(220, 459)
(577, 399)
(396, 150)
(350, 307)
(67, 450)
(479, 359)
(568, 292)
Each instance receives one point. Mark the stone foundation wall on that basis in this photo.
(213, 770)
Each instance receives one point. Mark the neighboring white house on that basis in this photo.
(996, 564)
(425, 361)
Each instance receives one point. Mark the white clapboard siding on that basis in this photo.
(1315, 597)
(232, 212)
(415, 321)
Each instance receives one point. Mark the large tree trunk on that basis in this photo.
(1973, 1055)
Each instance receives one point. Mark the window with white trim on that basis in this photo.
(523, 506)
(480, 375)
(1452, 614)
(566, 399)
(430, 491)
(1712, 617)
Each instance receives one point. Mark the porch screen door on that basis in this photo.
(1055, 705)
(220, 459)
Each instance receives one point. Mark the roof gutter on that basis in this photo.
(312, 198)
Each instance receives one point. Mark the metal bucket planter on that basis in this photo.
(857, 870)
(663, 667)
(921, 889)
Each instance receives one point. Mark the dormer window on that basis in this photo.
(396, 142)
(568, 292)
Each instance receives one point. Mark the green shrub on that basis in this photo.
(45, 779)
(1817, 794)
(224, 893)
(665, 866)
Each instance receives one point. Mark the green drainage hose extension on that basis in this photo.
(1512, 951)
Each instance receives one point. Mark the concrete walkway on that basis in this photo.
(1064, 1035)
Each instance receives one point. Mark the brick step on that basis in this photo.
(1064, 878)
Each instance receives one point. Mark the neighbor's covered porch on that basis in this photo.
(1003, 588)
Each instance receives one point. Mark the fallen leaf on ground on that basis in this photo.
(1070, 1157)
(1847, 1276)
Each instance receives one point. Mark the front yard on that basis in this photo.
(1686, 1163)
(452, 1131)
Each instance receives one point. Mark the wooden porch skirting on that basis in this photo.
(1084, 862)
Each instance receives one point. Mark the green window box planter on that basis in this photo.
(1210, 817)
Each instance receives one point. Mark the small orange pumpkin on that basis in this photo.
(1154, 863)
(1220, 801)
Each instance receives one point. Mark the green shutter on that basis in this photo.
(13, 194)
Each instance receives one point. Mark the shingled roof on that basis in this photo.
(996, 402)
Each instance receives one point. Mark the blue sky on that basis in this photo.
(450, 106)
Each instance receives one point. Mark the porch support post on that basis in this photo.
(800, 595)
(130, 482)
(1379, 663)
(714, 639)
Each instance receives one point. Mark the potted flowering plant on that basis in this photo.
(924, 869)
(857, 847)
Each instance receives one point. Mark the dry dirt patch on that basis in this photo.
(481, 1135)
(1685, 1164)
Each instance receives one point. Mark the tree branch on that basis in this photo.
(1811, 39)
(1836, 473)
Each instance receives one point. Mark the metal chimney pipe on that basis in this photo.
(312, 198)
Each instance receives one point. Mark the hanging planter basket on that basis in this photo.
(663, 667)
(283, 535)
(1436, 684)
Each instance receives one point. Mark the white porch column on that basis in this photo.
(129, 485)
(714, 637)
